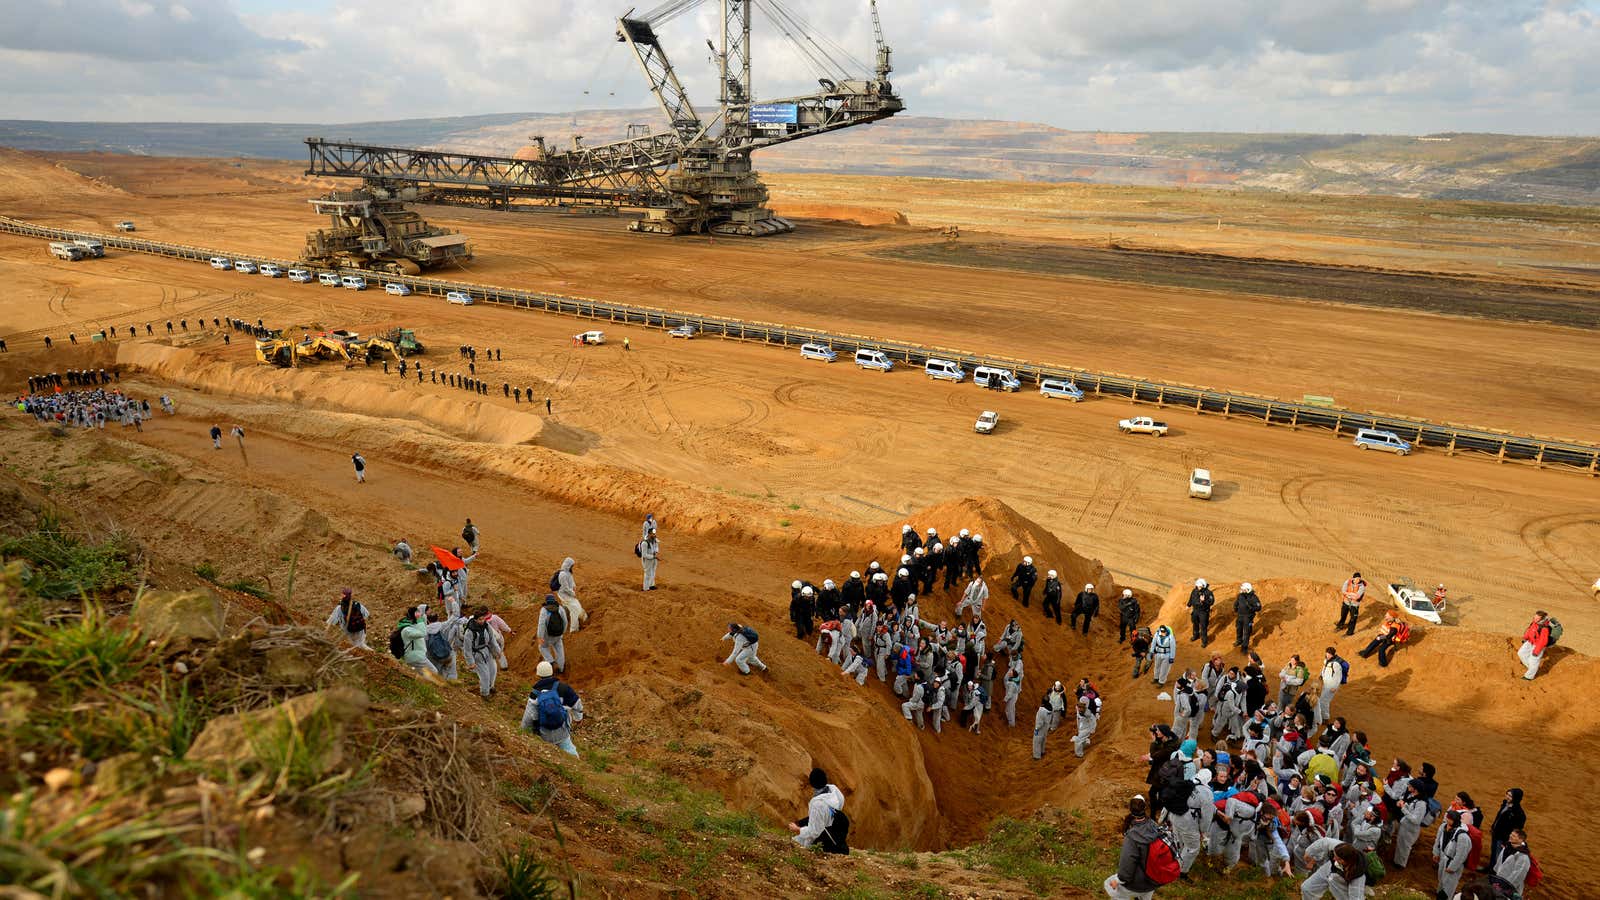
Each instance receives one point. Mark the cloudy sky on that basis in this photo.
(1400, 66)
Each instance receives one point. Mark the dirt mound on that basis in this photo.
(860, 215)
(471, 419)
(26, 177)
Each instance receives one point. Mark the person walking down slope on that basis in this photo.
(746, 647)
(818, 829)
(1128, 614)
(1138, 832)
(567, 593)
(1023, 580)
(1087, 604)
(360, 462)
(1052, 596)
(649, 558)
(554, 623)
(351, 616)
(484, 650)
(1538, 636)
(469, 535)
(552, 709)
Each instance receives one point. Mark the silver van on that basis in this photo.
(874, 359)
(995, 379)
(330, 279)
(353, 282)
(943, 370)
(1060, 389)
(1375, 439)
(818, 351)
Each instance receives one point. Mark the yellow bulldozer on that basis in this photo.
(275, 351)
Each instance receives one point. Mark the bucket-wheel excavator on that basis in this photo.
(694, 177)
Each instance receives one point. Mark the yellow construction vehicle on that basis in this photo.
(322, 346)
(275, 351)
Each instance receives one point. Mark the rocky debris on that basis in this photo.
(246, 737)
(179, 615)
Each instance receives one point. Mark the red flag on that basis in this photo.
(447, 559)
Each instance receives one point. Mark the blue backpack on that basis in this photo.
(552, 712)
(438, 647)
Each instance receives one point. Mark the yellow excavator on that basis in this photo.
(322, 346)
(272, 349)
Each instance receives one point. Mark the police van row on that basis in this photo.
(991, 377)
(328, 279)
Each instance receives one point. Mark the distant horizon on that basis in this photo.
(529, 114)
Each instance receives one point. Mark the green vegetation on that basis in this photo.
(249, 586)
(524, 877)
(207, 571)
(530, 799)
(62, 566)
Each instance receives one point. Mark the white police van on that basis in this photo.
(873, 359)
(271, 270)
(818, 351)
(996, 379)
(245, 266)
(397, 289)
(353, 282)
(301, 276)
(219, 262)
(943, 370)
(328, 279)
(1376, 439)
(1060, 389)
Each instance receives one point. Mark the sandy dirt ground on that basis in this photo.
(764, 468)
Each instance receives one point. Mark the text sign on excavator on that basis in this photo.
(774, 114)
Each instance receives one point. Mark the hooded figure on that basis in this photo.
(484, 649)
(554, 623)
(567, 592)
(1509, 818)
(827, 801)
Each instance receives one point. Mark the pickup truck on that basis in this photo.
(1143, 425)
(986, 422)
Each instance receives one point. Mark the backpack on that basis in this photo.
(468, 533)
(1189, 705)
(397, 645)
(1344, 669)
(1474, 855)
(638, 550)
(1171, 770)
(438, 647)
(1554, 627)
(750, 635)
(835, 838)
(354, 619)
(1535, 874)
(1173, 796)
(478, 635)
(555, 624)
(1284, 822)
(983, 695)
(1375, 868)
(1161, 860)
(555, 580)
(1402, 632)
(1432, 814)
(552, 712)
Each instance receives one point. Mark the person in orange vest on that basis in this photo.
(1393, 632)
(1534, 641)
(1355, 588)
(1439, 597)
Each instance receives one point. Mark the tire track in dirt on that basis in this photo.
(1536, 535)
(1292, 495)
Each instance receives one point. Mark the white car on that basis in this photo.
(683, 331)
(218, 262)
(1060, 389)
(1143, 425)
(987, 422)
(301, 276)
(125, 225)
(245, 266)
(1416, 603)
(1200, 484)
(590, 337)
(459, 298)
(397, 289)
(271, 270)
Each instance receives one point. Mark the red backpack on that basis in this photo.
(1535, 874)
(1161, 860)
(1402, 632)
(1475, 855)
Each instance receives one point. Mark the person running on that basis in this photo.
(552, 709)
(351, 615)
(1535, 640)
(649, 558)
(554, 623)
(817, 828)
(360, 463)
(747, 648)
(1138, 832)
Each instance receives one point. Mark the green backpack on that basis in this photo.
(1375, 868)
(1554, 625)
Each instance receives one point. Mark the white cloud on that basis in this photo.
(1327, 65)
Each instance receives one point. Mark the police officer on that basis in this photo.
(1023, 580)
(1087, 604)
(1052, 596)
(1200, 602)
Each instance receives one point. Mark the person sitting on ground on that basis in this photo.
(402, 550)
(1138, 832)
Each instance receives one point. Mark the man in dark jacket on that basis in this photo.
(1127, 615)
(1139, 832)
(1087, 605)
(1023, 580)
(909, 539)
(853, 593)
(1245, 608)
(1509, 818)
(801, 611)
(1200, 602)
(932, 565)
(1052, 596)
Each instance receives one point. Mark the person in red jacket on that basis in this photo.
(1534, 642)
